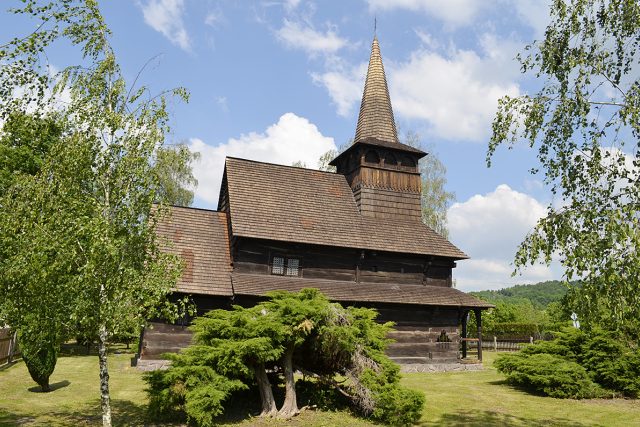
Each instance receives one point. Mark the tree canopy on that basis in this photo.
(257, 346)
(584, 123)
(77, 230)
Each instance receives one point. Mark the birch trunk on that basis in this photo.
(290, 405)
(104, 377)
(269, 408)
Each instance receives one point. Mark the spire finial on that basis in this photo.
(375, 26)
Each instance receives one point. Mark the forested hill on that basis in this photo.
(540, 294)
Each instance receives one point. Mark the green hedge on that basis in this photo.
(576, 364)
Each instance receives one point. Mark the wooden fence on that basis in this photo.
(505, 345)
(9, 350)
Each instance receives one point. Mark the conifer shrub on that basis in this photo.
(612, 364)
(40, 354)
(548, 374)
(339, 350)
(194, 392)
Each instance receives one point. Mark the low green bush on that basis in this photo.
(612, 364)
(194, 390)
(548, 374)
(397, 405)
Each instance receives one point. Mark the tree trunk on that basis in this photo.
(44, 386)
(269, 408)
(290, 405)
(104, 377)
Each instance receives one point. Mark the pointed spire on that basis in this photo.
(376, 116)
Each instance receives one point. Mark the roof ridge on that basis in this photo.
(281, 165)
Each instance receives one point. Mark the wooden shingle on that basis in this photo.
(291, 204)
(201, 238)
(346, 291)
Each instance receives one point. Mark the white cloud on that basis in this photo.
(213, 18)
(451, 12)
(301, 36)
(345, 86)
(165, 16)
(290, 5)
(455, 92)
(534, 13)
(489, 229)
(292, 139)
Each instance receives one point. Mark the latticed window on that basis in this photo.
(293, 265)
(285, 266)
(277, 267)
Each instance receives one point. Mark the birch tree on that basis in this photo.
(584, 123)
(94, 197)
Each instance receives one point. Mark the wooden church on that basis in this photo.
(356, 235)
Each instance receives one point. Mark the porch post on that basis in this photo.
(478, 313)
(465, 316)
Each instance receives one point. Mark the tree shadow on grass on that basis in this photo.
(489, 418)
(123, 413)
(52, 387)
(9, 419)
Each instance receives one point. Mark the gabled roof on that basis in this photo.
(201, 238)
(291, 204)
(337, 290)
(376, 116)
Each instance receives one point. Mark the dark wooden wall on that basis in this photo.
(416, 332)
(323, 262)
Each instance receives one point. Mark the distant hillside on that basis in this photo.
(540, 294)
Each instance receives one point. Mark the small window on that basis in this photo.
(372, 157)
(293, 265)
(407, 161)
(285, 266)
(278, 265)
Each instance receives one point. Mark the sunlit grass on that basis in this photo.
(453, 399)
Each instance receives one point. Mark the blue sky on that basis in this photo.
(281, 81)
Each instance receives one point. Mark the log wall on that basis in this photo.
(319, 262)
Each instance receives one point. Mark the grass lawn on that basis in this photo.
(453, 399)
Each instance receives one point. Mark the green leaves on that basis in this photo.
(584, 123)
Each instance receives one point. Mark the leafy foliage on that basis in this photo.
(435, 199)
(601, 356)
(81, 230)
(548, 374)
(539, 294)
(174, 175)
(289, 331)
(40, 348)
(195, 390)
(585, 124)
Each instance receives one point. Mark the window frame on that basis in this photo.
(285, 265)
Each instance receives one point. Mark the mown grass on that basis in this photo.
(453, 399)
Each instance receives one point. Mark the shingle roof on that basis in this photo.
(376, 116)
(293, 204)
(201, 238)
(259, 285)
(378, 143)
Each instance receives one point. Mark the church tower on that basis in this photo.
(382, 172)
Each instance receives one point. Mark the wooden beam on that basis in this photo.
(478, 313)
(465, 315)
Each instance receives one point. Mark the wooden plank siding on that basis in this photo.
(253, 256)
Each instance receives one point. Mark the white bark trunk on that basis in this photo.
(104, 377)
